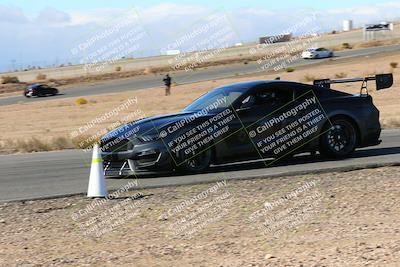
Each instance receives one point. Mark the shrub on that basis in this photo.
(393, 64)
(290, 69)
(309, 78)
(41, 76)
(340, 75)
(148, 70)
(81, 101)
(36, 145)
(9, 79)
(31, 145)
(118, 68)
(59, 143)
(84, 141)
(346, 46)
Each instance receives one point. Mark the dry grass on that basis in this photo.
(41, 77)
(290, 69)
(340, 75)
(377, 43)
(346, 46)
(35, 144)
(9, 79)
(50, 119)
(308, 78)
(85, 141)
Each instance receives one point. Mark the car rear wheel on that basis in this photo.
(340, 140)
(195, 163)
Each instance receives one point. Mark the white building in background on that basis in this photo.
(347, 25)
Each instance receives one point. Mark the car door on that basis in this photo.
(307, 118)
(318, 53)
(252, 111)
(45, 90)
(325, 52)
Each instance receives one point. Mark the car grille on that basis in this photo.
(114, 145)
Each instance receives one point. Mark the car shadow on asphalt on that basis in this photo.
(299, 159)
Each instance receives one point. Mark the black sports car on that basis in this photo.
(40, 90)
(244, 121)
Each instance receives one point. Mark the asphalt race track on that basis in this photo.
(212, 73)
(47, 174)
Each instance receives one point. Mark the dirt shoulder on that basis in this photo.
(334, 219)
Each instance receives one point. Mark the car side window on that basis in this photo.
(268, 96)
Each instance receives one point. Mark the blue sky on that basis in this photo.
(36, 5)
(43, 32)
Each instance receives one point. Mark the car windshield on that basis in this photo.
(217, 99)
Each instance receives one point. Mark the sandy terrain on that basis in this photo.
(61, 117)
(334, 219)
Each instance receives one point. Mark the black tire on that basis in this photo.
(196, 163)
(340, 140)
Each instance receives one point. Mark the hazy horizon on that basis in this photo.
(46, 34)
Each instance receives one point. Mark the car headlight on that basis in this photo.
(149, 137)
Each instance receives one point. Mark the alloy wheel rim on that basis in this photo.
(338, 138)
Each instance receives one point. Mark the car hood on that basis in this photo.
(151, 125)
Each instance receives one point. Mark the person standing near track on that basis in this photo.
(167, 82)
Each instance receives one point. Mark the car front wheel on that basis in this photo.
(195, 163)
(340, 140)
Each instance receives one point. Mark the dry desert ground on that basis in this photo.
(332, 219)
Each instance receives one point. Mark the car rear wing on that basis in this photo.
(382, 81)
